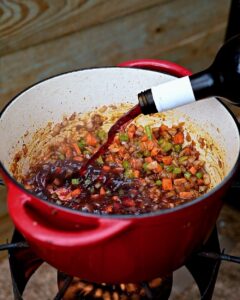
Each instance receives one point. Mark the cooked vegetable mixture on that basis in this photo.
(145, 169)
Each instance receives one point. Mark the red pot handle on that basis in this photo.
(157, 65)
(34, 227)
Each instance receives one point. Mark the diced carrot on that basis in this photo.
(150, 145)
(116, 139)
(136, 163)
(108, 209)
(91, 140)
(129, 202)
(179, 181)
(68, 153)
(136, 173)
(102, 191)
(76, 148)
(131, 131)
(144, 138)
(178, 138)
(113, 148)
(115, 198)
(200, 181)
(56, 181)
(76, 192)
(130, 134)
(159, 157)
(163, 128)
(148, 159)
(158, 169)
(109, 158)
(95, 197)
(167, 184)
(144, 146)
(106, 168)
(193, 170)
(186, 151)
(78, 158)
(167, 160)
(122, 151)
(154, 151)
(132, 128)
(186, 195)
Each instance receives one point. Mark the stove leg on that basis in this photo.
(205, 270)
(23, 263)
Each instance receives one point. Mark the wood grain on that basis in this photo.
(31, 22)
(6, 226)
(174, 30)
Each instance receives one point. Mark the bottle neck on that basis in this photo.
(178, 92)
(166, 96)
(203, 84)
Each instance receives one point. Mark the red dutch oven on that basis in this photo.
(116, 248)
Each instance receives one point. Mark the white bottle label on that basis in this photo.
(173, 93)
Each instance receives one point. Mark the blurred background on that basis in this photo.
(42, 38)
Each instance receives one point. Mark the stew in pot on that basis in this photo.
(145, 169)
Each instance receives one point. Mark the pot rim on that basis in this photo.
(119, 216)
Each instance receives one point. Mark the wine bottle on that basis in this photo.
(221, 79)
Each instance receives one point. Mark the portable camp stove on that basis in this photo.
(203, 266)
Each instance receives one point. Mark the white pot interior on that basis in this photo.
(84, 90)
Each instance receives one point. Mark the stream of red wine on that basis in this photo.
(130, 115)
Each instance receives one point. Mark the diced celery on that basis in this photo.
(148, 131)
(100, 160)
(177, 170)
(61, 156)
(199, 175)
(123, 137)
(75, 181)
(145, 167)
(177, 148)
(166, 146)
(129, 173)
(169, 168)
(158, 182)
(81, 143)
(146, 153)
(160, 141)
(182, 159)
(187, 175)
(101, 134)
(126, 164)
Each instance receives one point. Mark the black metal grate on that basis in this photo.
(203, 266)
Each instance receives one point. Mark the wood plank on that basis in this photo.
(3, 204)
(6, 226)
(183, 31)
(28, 23)
(6, 230)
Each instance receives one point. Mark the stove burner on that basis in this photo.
(158, 288)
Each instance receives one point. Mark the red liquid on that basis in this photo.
(129, 116)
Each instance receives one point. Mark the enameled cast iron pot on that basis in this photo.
(111, 248)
